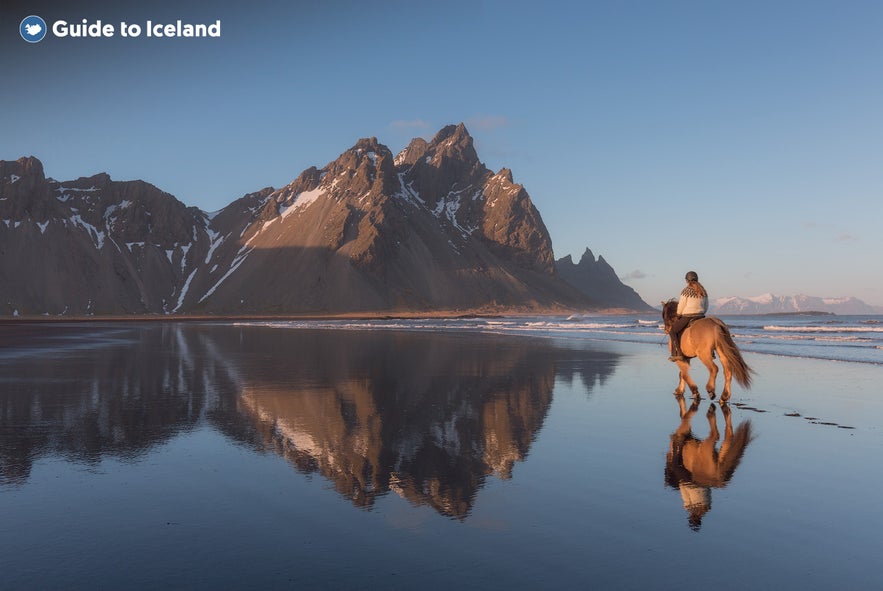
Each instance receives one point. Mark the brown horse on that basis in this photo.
(701, 339)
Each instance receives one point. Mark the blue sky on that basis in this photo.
(743, 140)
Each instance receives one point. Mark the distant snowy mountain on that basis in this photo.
(769, 303)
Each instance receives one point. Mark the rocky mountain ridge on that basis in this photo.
(428, 230)
(598, 280)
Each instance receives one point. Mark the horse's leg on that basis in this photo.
(679, 391)
(706, 358)
(686, 379)
(728, 376)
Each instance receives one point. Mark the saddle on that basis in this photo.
(692, 319)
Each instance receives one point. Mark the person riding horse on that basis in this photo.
(693, 304)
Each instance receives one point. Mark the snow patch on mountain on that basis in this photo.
(95, 234)
(215, 240)
(184, 290)
(302, 201)
(408, 193)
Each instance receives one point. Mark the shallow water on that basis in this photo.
(810, 336)
(216, 456)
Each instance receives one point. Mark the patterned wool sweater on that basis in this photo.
(691, 303)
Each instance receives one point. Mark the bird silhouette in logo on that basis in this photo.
(33, 30)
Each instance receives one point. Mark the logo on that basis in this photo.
(32, 29)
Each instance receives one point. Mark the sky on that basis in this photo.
(742, 140)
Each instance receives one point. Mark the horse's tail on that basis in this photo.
(730, 461)
(727, 348)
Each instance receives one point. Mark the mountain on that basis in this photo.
(599, 281)
(428, 230)
(773, 304)
(93, 245)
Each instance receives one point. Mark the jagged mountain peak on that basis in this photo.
(368, 168)
(589, 261)
(365, 169)
(22, 177)
(368, 144)
(506, 174)
(98, 179)
(456, 132)
(598, 280)
(448, 164)
(412, 152)
(308, 180)
(26, 165)
(588, 257)
(453, 142)
(367, 149)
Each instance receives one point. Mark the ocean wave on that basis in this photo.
(774, 327)
(814, 339)
(580, 326)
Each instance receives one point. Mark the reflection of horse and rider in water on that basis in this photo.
(693, 334)
(694, 466)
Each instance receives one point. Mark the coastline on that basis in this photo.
(833, 338)
(378, 315)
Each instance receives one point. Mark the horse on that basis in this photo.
(701, 339)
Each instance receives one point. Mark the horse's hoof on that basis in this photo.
(695, 391)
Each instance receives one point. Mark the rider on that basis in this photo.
(692, 304)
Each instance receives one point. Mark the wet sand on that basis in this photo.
(201, 456)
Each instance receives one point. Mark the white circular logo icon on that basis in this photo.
(32, 29)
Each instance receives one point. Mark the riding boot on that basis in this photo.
(675, 346)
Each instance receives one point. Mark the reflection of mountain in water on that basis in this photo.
(428, 416)
(88, 392)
